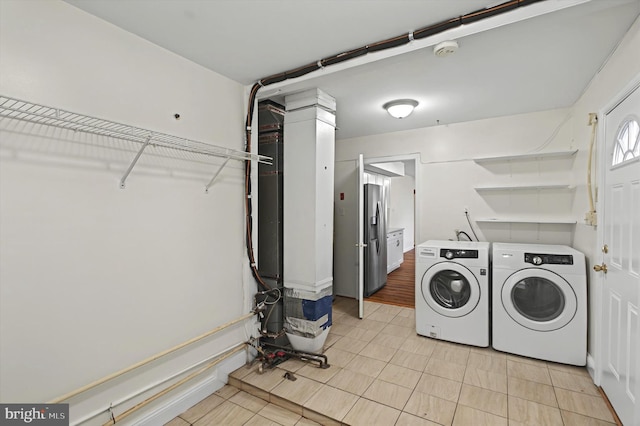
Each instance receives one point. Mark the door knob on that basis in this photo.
(599, 268)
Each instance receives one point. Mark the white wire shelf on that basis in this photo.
(540, 221)
(527, 157)
(524, 188)
(50, 116)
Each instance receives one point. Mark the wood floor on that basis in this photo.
(400, 288)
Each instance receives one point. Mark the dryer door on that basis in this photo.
(539, 299)
(450, 289)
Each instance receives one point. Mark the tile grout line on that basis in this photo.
(555, 394)
(429, 357)
(508, 395)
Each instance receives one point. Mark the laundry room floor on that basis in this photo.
(382, 373)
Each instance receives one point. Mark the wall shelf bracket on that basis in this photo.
(133, 162)
(206, 189)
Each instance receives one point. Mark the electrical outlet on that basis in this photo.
(591, 218)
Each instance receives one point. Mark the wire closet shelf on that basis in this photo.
(50, 116)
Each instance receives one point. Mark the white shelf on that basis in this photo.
(526, 157)
(562, 187)
(550, 221)
(49, 116)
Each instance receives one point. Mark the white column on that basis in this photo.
(309, 156)
(309, 135)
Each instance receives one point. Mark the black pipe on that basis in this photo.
(345, 56)
(437, 28)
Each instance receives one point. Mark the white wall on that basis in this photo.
(449, 174)
(622, 68)
(94, 278)
(401, 208)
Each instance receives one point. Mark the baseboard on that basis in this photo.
(186, 398)
(591, 368)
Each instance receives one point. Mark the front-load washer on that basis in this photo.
(540, 302)
(452, 291)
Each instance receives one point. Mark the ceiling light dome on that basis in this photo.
(400, 108)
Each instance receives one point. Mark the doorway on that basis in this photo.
(348, 265)
(400, 289)
(402, 211)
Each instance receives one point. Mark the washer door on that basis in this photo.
(450, 289)
(539, 299)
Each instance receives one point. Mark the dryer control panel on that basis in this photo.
(548, 259)
(458, 254)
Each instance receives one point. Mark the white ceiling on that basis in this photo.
(510, 64)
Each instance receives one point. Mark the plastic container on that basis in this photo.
(308, 344)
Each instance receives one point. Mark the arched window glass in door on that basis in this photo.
(538, 299)
(627, 142)
(450, 289)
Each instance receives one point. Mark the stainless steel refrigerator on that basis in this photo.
(375, 237)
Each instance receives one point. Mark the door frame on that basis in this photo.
(416, 178)
(595, 278)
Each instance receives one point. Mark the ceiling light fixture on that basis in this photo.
(400, 108)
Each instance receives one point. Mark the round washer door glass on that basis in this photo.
(539, 299)
(450, 289)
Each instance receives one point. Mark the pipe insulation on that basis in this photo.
(149, 360)
(398, 40)
(127, 398)
(342, 57)
(115, 419)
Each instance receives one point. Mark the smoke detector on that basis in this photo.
(445, 48)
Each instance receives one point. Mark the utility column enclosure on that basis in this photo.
(309, 157)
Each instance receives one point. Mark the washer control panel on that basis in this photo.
(548, 259)
(458, 254)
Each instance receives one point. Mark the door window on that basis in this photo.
(450, 289)
(538, 299)
(627, 142)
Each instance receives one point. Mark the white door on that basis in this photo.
(360, 243)
(621, 255)
(348, 245)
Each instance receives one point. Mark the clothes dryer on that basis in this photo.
(540, 302)
(452, 291)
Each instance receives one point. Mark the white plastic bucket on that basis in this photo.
(308, 344)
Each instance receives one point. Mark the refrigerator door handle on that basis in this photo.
(377, 243)
(379, 227)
